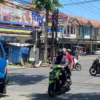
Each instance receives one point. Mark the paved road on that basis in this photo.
(32, 84)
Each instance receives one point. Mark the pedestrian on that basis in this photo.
(77, 53)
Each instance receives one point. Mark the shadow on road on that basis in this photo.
(21, 79)
(3, 96)
(67, 96)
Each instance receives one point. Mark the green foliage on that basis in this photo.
(47, 4)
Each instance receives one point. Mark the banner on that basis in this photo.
(8, 14)
(37, 19)
(61, 23)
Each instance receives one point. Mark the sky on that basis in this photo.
(89, 10)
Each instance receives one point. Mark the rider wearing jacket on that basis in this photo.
(63, 61)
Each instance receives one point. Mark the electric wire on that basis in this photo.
(82, 2)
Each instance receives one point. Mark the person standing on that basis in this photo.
(77, 53)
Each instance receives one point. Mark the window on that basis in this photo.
(71, 30)
(74, 30)
(67, 29)
(82, 31)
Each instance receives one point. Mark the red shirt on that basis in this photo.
(69, 57)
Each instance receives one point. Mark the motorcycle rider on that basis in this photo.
(63, 61)
(70, 61)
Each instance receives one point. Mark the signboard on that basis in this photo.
(61, 23)
(9, 14)
(38, 19)
(23, 17)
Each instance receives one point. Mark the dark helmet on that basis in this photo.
(60, 51)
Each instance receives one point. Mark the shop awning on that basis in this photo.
(17, 29)
(20, 44)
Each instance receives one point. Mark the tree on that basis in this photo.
(48, 5)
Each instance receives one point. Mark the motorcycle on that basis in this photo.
(56, 84)
(95, 68)
(76, 64)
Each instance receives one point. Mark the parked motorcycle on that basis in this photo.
(95, 68)
(56, 85)
(76, 64)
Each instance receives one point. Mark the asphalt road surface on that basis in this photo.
(32, 84)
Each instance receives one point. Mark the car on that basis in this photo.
(3, 70)
(97, 52)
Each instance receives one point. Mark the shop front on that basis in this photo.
(87, 45)
(15, 35)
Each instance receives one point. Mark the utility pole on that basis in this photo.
(57, 12)
(54, 30)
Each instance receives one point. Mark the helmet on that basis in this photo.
(59, 51)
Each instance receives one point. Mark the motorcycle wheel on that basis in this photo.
(51, 90)
(93, 72)
(78, 67)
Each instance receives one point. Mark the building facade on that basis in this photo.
(81, 31)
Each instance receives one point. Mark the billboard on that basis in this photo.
(8, 14)
(13, 15)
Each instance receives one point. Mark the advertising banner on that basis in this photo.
(8, 14)
(61, 23)
(37, 19)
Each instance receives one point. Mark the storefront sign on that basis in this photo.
(61, 23)
(9, 14)
(23, 17)
(14, 29)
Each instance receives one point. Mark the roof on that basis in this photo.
(84, 21)
(95, 24)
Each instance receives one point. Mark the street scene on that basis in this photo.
(49, 49)
(32, 84)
